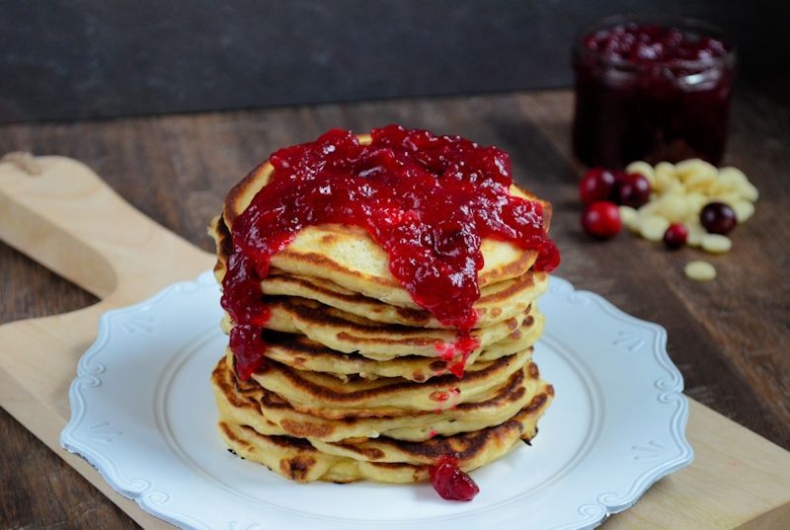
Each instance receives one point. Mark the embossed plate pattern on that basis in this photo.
(143, 415)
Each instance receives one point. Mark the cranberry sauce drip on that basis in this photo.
(450, 482)
(651, 43)
(427, 200)
(463, 346)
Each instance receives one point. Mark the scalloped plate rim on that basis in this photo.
(143, 493)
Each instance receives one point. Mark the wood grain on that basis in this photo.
(729, 338)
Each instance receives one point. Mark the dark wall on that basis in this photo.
(64, 59)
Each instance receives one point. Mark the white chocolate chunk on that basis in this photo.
(653, 227)
(650, 208)
(732, 174)
(695, 166)
(720, 187)
(748, 191)
(695, 202)
(731, 177)
(743, 210)
(630, 218)
(665, 177)
(700, 181)
(716, 243)
(700, 271)
(673, 206)
(666, 168)
(696, 232)
(726, 198)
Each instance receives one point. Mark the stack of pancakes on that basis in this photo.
(359, 382)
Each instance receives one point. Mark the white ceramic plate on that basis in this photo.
(143, 414)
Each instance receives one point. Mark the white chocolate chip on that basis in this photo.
(694, 166)
(732, 174)
(743, 210)
(731, 177)
(666, 168)
(702, 181)
(665, 177)
(653, 227)
(630, 218)
(726, 198)
(696, 233)
(673, 206)
(649, 208)
(696, 201)
(720, 187)
(748, 191)
(700, 271)
(716, 243)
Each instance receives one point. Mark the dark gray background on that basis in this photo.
(67, 59)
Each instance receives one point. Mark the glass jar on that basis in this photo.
(651, 88)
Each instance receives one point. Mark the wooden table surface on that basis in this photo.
(730, 338)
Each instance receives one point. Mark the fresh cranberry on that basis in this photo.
(633, 190)
(602, 219)
(598, 184)
(452, 483)
(676, 236)
(718, 218)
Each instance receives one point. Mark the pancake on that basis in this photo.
(298, 459)
(301, 353)
(349, 257)
(246, 402)
(338, 374)
(349, 333)
(310, 391)
(498, 301)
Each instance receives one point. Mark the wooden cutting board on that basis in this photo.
(61, 214)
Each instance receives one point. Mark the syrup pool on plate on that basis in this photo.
(651, 89)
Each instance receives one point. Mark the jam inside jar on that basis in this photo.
(651, 89)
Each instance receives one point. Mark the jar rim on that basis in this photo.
(684, 24)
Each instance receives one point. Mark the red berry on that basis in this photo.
(598, 184)
(452, 483)
(602, 219)
(633, 190)
(718, 218)
(676, 236)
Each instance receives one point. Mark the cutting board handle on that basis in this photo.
(60, 213)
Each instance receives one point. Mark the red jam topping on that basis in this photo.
(452, 483)
(427, 200)
(650, 43)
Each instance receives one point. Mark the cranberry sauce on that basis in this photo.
(427, 200)
(651, 92)
(451, 482)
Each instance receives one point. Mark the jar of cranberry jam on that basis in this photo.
(651, 89)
